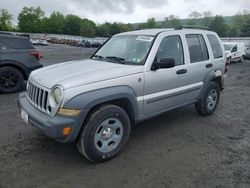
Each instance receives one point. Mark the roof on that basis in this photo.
(9, 35)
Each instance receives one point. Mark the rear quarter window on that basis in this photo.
(16, 43)
(215, 45)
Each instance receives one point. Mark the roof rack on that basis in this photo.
(192, 27)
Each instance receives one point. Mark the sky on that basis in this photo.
(128, 11)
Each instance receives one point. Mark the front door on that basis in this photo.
(169, 88)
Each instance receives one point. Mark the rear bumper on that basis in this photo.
(52, 126)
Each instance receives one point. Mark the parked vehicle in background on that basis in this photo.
(43, 42)
(132, 77)
(235, 52)
(85, 44)
(247, 54)
(96, 45)
(34, 41)
(18, 58)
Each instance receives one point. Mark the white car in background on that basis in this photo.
(43, 42)
(34, 41)
(235, 52)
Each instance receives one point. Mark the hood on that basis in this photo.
(76, 73)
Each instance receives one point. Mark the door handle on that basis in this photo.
(209, 65)
(182, 71)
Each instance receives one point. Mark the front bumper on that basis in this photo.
(52, 126)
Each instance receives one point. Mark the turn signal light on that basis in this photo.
(66, 131)
(68, 112)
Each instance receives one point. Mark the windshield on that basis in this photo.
(228, 47)
(131, 49)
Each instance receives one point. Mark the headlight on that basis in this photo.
(56, 96)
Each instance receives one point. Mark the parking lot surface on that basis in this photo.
(177, 149)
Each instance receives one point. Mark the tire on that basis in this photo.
(241, 59)
(105, 133)
(210, 100)
(11, 80)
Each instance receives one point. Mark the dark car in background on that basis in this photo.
(96, 45)
(18, 57)
(247, 54)
(85, 43)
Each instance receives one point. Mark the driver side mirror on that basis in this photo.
(164, 64)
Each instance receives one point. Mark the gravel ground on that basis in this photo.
(176, 149)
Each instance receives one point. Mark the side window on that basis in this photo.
(171, 47)
(215, 45)
(17, 43)
(197, 48)
(234, 49)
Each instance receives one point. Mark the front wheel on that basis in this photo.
(11, 80)
(208, 104)
(105, 133)
(241, 59)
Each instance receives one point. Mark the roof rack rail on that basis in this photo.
(193, 27)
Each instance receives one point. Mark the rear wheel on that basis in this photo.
(11, 80)
(208, 104)
(105, 134)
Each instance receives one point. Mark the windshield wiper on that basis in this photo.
(98, 56)
(118, 59)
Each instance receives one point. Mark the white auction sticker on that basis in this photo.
(145, 38)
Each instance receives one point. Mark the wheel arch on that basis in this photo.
(14, 65)
(122, 96)
(212, 76)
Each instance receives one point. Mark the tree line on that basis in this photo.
(33, 20)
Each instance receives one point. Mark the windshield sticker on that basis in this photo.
(145, 38)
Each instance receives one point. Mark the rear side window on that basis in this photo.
(215, 45)
(17, 43)
(197, 48)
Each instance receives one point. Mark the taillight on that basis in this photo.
(36, 54)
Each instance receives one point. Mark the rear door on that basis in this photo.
(199, 60)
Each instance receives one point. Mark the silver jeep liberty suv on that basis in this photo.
(133, 76)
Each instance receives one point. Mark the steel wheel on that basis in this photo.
(108, 135)
(208, 103)
(212, 99)
(105, 133)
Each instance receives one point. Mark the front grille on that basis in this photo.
(38, 97)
